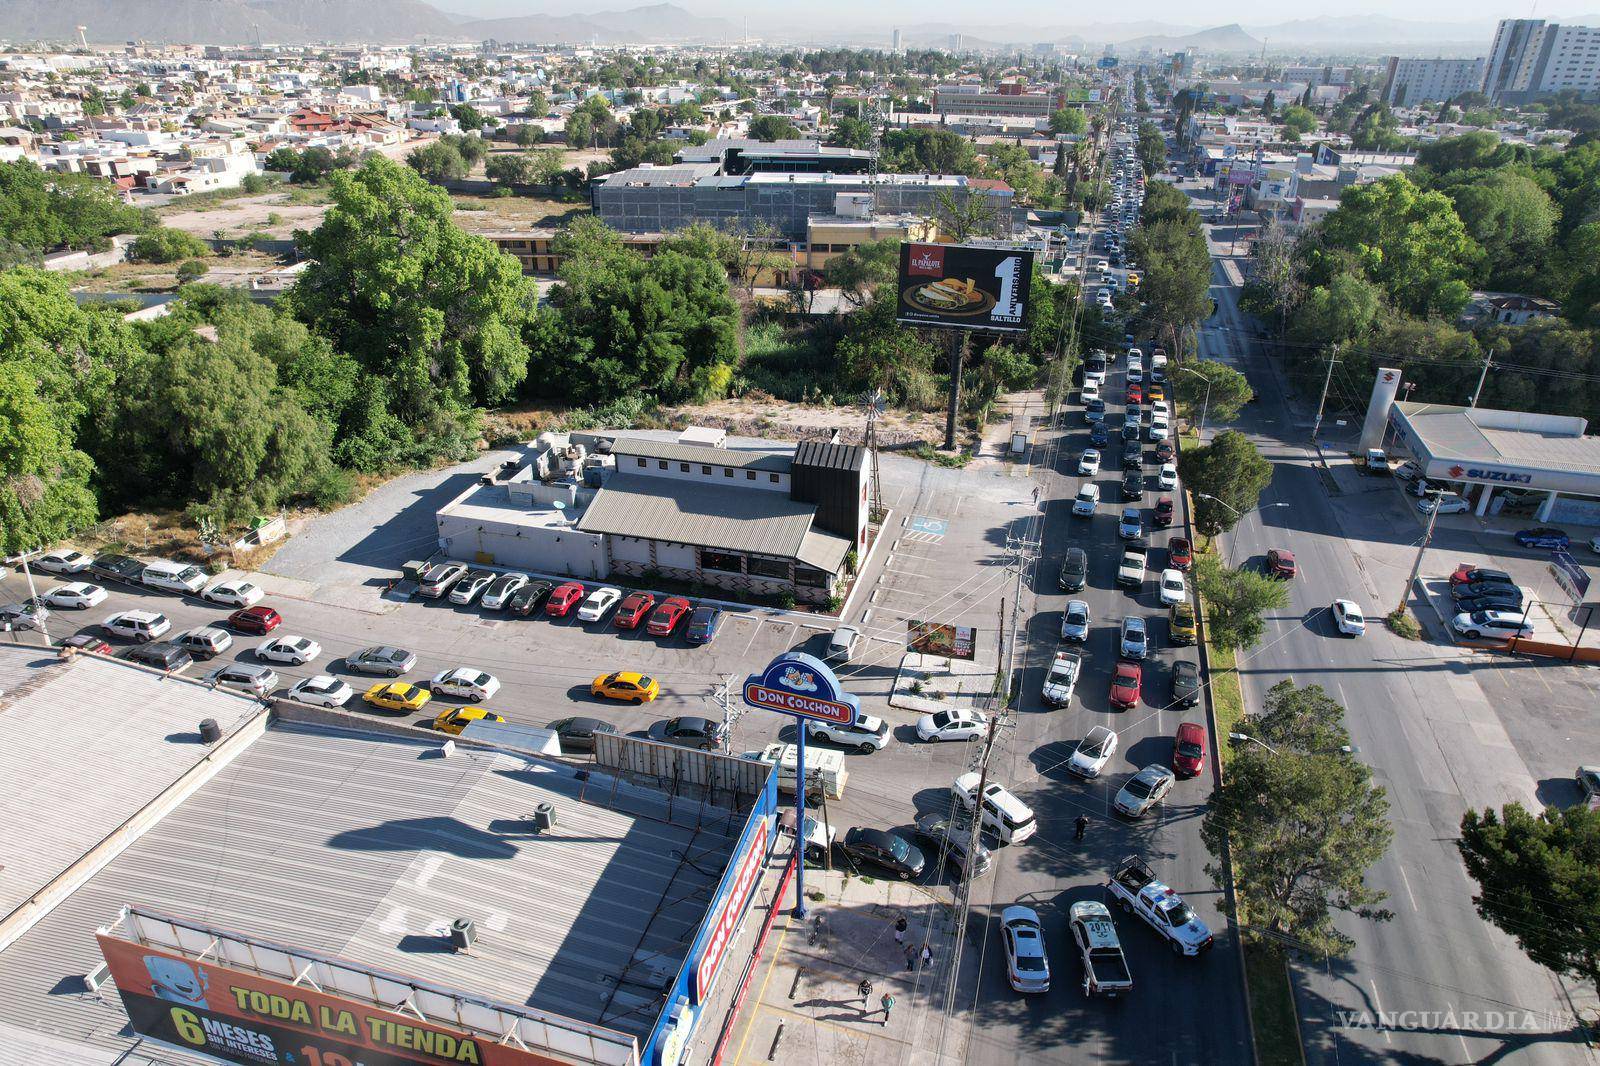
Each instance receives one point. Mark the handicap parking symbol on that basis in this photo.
(925, 530)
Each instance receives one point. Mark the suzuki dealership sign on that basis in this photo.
(801, 685)
(1457, 472)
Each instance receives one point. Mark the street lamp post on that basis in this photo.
(1244, 738)
(1240, 515)
(1205, 404)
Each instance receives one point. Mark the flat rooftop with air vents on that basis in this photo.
(367, 847)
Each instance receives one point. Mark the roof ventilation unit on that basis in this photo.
(463, 934)
(210, 731)
(543, 817)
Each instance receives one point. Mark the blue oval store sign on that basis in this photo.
(801, 685)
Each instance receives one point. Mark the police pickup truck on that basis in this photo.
(1105, 970)
(1134, 885)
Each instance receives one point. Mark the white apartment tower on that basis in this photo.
(1532, 58)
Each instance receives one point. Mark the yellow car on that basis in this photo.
(1181, 626)
(1155, 393)
(626, 685)
(397, 696)
(458, 718)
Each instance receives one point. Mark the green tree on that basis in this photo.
(191, 270)
(861, 269)
(1217, 387)
(1151, 148)
(283, 159)
(314, 164)
(928, 152)
(1342, 312)
(1298, 121)
(1376, 130)
(580, 130)
(1514, 221)
(1235, 601)
(438, 162)
(472, 149)
(164, 245)
(44, 212)
(433, 315)
(1302, 828)
(546, 165)
(850, 132)
(773, 128)
(1538, 880)
(509, 168)
(538, 104)
(44, 480)
(1232, 470)
(1068, 121)
(469, 118)
(526, 134)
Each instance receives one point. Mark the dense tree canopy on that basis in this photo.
(42, 212)
(1233, 471)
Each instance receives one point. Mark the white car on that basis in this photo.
(1089, 463)
(75, 596)
(501, 589)
(465, 682)
(137, 626)
(1090, 391)
(1135, 373)
(61, 561)
(256, 680)
(1158, 429)
(234, 592)
(1444, 503)
(466, 590)
(868, 734)
(842, 645)
(1027, 967)
(1348, 617)
(1075, 622)
(1173, 589)
(322, 691)
(599, 602)
(952, 725)
(1159, 409)
(1167, 479)
(1144, 790)
(296, 651)
(1084, 503)
(1497, 625)
(1093, 752)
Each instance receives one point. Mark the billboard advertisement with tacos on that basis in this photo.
(964, 287)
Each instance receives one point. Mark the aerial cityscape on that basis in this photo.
(640, 537)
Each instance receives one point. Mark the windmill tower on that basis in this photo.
(873, 403)
(83, 40)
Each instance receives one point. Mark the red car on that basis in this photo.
(633, 609)
(665, 618)
(1165, 452)
(1135, 394)
(1125, 686)
(1189, 750)
(1280, 563)
(563, 599)
(258, 620)
(1163, 515)
(1180, 553)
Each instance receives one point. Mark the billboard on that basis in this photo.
(1107, 63)
(802, 685)
(960, 286)
(946, 641)
(1573, 579)
(235, 1016)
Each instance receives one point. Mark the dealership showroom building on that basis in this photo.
(298, 884)
(1513, 463)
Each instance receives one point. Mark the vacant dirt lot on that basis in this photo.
(248, 214)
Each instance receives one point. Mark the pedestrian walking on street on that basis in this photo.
(911, 958)
(927, 954)
(888, 1005)
(1080, 826)
(900, 930)
(864, 989)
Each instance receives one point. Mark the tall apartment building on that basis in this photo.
(1532, 58)
(1416, 81)
(1009, 100)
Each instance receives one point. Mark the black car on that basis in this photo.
(1489, 602)
(1131, 431)
(1074, 570)
(1470, 589)
(530, 597)
(691, 732)
(1133, 457)
(161, 655)
(883, 848)
(577, 734)
(1133, 487)
(1185, 683)
(1479, 574)
(117, 568)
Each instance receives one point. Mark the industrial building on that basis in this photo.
(355, 889)
(755, 522)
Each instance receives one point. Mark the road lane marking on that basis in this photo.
(1404, 880)
(1377, 1002)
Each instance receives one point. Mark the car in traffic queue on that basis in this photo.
(205, 642)
(1135, 640)
(1130, 526)
(321, 690)
(1189, 749)
(1143, 791)
(137, 626)
(75, 596)
(258, 620)
(1093, 752)
(247, 677)
(578, 733)
(1074, 570)
(1027, 964)
(1543, 537)
(1126, 680)
(1083, 505)
(293, 651)
(1089, 463)
(85, 642)
(465, 683)
(1174, 590)
(1182, 624)
(381, 659)
(1180, 553)
(457, 719)
(694, 732)
(629, 686)
(1075, 622)
(160, 655)
(955, 724)
(1185, 683)
(1163, 513)
(397, 696)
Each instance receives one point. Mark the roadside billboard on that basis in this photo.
(937, 638)
(804, 686)
(235, 1016)
(1573, 579)
(960, 286)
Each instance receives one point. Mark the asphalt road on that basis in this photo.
(1453, 988)
(1181, 1009)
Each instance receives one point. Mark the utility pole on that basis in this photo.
(958, 351)
(1422, 549)
(33, 598)
(1333, 357)
(1482, 377)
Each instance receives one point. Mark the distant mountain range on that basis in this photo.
(639, 25)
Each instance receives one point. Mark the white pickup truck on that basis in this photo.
(1131, 570)
(1105, 969)
(1133, 884)
(1062, 678)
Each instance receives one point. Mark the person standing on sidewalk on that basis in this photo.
(888, 1005)
(864, 990)
(927, 955)
(1080, 826)
(900, 930)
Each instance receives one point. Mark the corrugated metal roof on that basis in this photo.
(829, 455)
(84, 744)
(704, 515)
(367, 846)
(824, 550)
(743, 459)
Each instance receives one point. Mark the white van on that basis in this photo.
(174, 577)
(1010, 818)
(823, 765)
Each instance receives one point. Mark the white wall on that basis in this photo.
(546, 550)
(677, 556)
(629, 464)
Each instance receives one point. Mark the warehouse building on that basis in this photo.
(755, 522)
(319, 883)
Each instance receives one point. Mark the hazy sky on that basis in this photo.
(913, 13)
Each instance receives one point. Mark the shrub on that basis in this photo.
(191, 270)
(164, 245)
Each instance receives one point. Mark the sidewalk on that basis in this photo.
(805, 1004)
